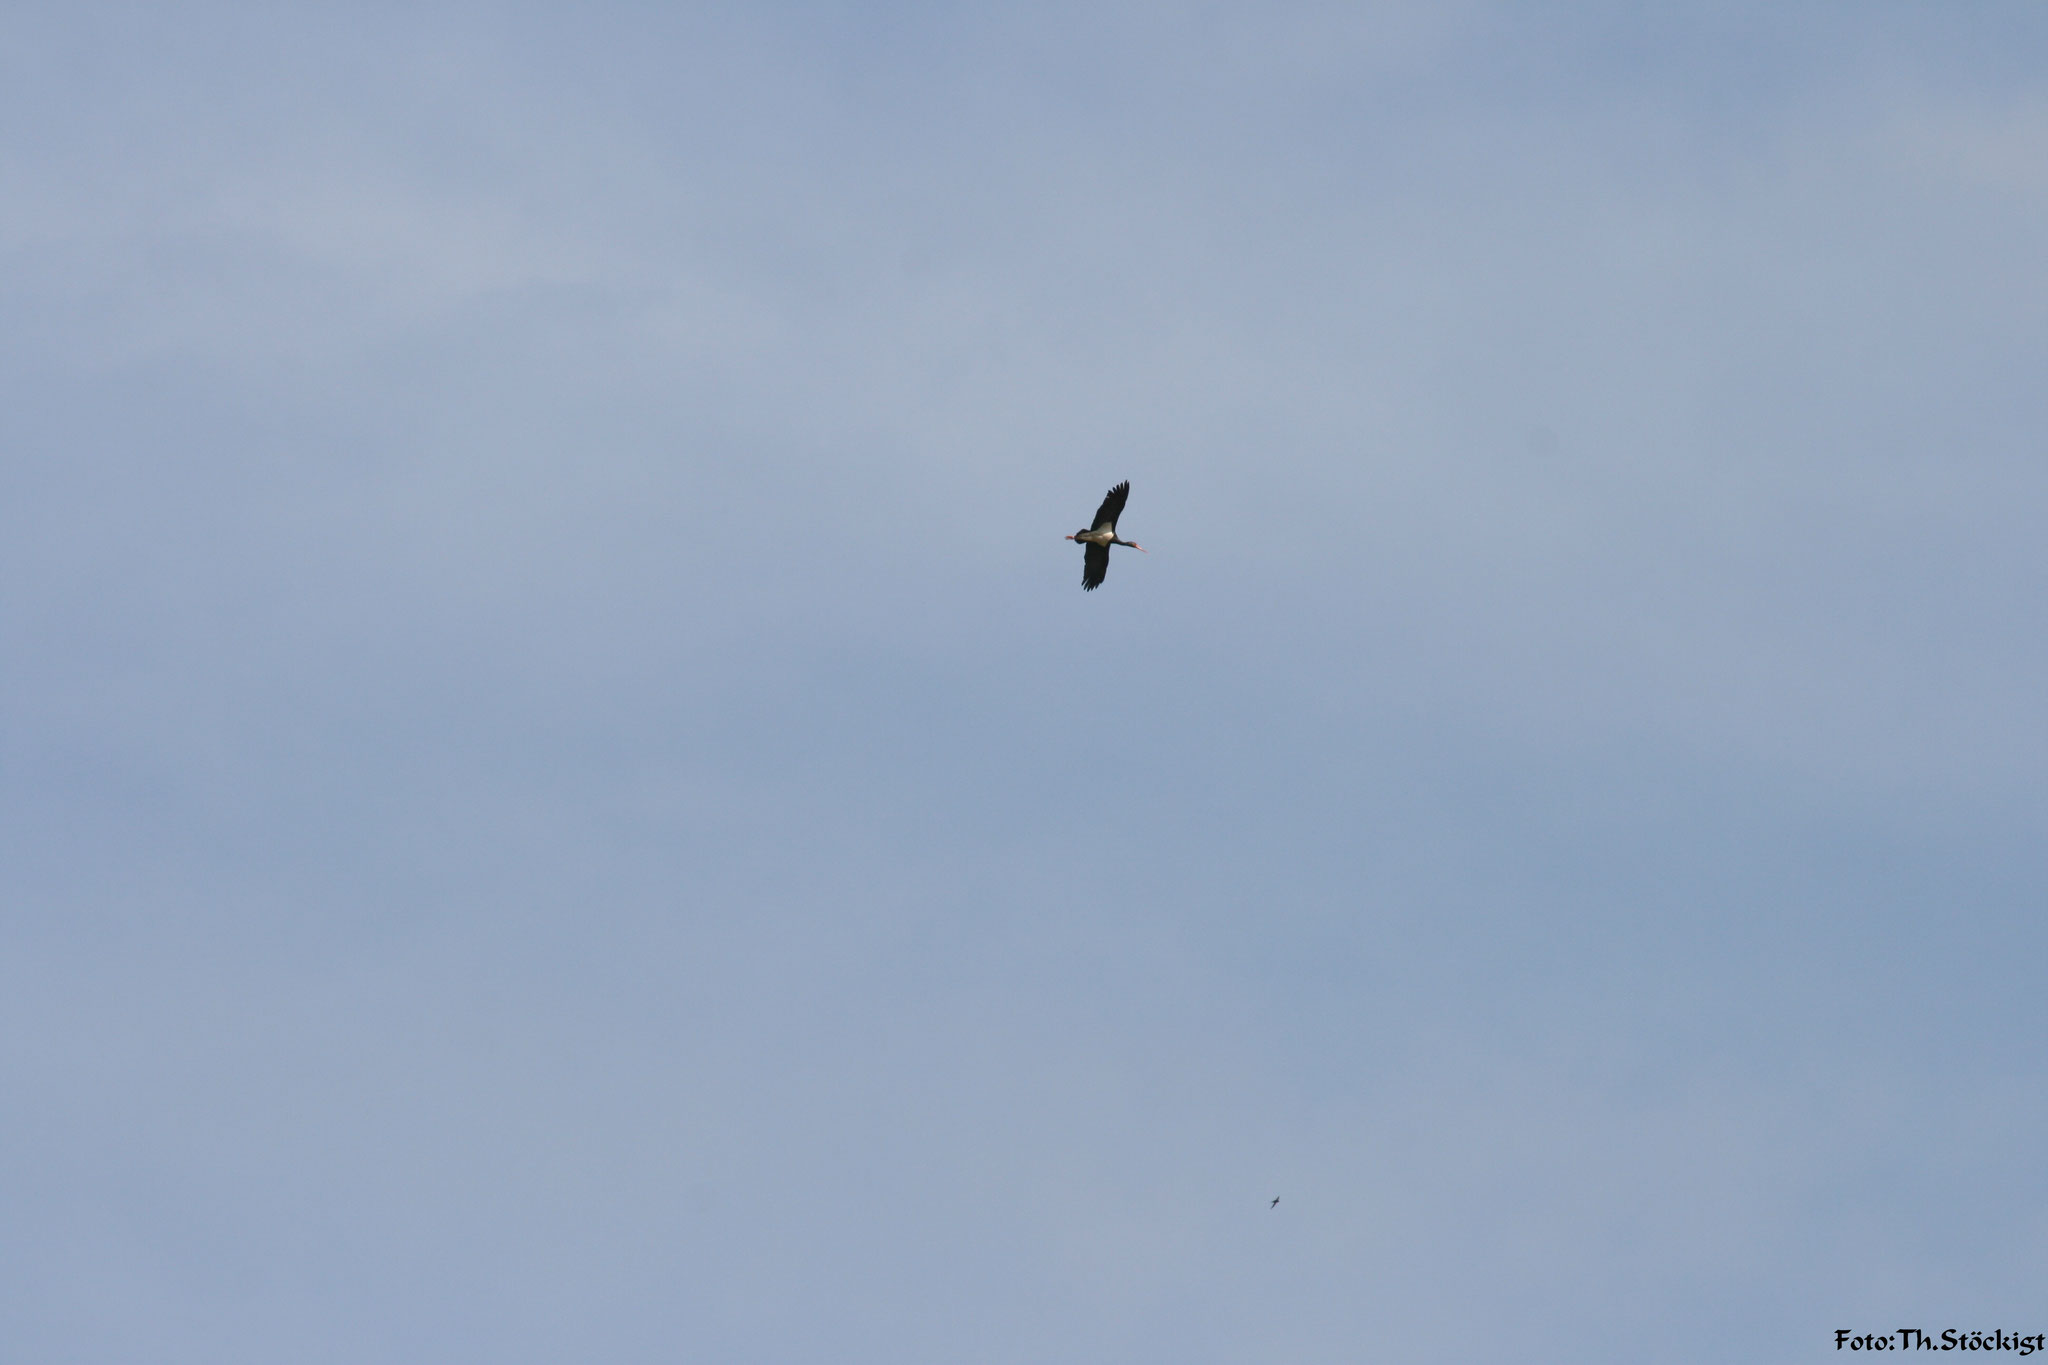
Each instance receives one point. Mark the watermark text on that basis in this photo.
(1913, 1339)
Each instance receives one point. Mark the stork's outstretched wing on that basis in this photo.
(1112, 508)
(1095, 566)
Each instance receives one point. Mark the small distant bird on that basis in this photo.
(1099, 537)
(1275, 1204)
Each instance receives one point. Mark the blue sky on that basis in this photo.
(560, 798)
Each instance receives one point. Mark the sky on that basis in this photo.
(560, 797)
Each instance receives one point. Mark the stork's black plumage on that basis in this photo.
(1097, 539)
(1112, 507)
(1094, 566)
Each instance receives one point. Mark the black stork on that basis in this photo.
(1099, 537)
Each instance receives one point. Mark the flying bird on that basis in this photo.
(1275, 1204)
(1099, 537)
